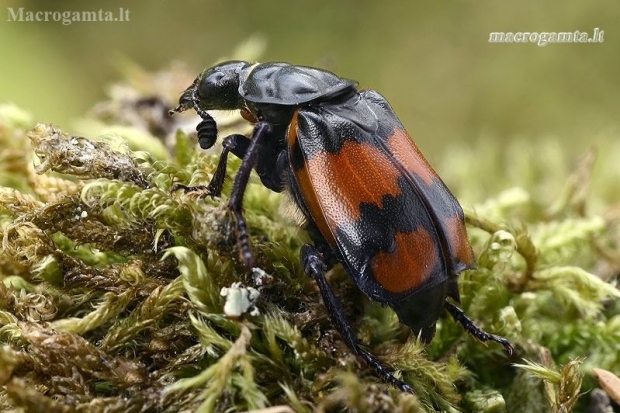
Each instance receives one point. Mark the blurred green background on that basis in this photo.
(432, 60)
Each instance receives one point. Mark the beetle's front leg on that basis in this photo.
(235, 204)
(207, 135)
(314, 266)
(238, 145)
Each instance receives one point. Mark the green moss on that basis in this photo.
(110, 283)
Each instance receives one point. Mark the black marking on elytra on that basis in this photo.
(375, 230)
(297, 157)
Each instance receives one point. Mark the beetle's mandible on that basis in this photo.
(371, 201)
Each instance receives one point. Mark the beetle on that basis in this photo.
(370, 199)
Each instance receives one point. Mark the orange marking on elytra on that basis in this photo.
(306, 187)
(407, 153)
(335, 184)
(410, 264)
(358, 173)
(458, 240)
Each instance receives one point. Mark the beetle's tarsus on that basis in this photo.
(199, 191)
(469, 326)
(315, 267)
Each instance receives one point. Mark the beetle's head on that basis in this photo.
(215, 88)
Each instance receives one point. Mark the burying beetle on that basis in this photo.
(371, 201)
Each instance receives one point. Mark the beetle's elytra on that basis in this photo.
(371, 201)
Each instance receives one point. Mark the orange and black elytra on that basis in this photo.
(370, 199)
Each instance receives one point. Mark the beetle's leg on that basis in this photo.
(476, 331)
(314, 266)
(261, 130)
(235, 144)
(238, 145)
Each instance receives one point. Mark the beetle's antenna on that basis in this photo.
(180, 108)
(189, 100)
(194, 100)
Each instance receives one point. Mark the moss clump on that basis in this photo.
(110, 283)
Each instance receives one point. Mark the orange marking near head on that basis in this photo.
(407, 153)
(248, 115)
(409, 265)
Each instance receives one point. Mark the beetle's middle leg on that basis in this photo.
(315, 267)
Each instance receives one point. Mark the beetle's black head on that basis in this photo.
(215, 88)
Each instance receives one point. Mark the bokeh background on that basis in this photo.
(432, 60)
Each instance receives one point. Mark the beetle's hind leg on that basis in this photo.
(476, 331)
(315, 267)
